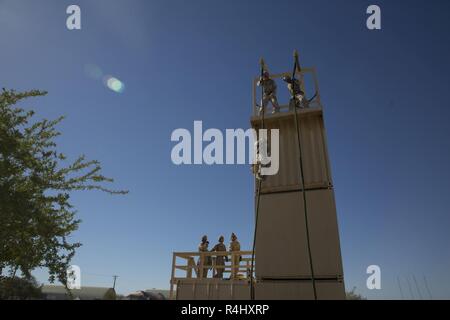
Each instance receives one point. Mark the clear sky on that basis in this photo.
(387, 116)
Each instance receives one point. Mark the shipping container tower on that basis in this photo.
(297, 252)
(297, 249)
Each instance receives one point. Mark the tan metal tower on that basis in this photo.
(297, 251)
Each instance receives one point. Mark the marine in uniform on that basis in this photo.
(269, 93)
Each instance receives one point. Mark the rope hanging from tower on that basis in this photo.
(302, 177)
(258, 196)
(297, 68)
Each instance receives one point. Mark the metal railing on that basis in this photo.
(315, 103)
(197, 265)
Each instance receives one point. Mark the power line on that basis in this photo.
(426, 286)
(418, 289)
(410, 288)
(104, 275)
(400, 287)
(98, 275)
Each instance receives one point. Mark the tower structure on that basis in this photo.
(297, 249)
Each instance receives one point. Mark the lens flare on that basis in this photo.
(114, 84)
(93, 71)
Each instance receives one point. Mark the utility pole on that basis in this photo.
(114, 284)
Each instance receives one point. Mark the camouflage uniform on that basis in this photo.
(298, 96)
(203, 247)
(256, 167)
(220, 260)
(235, 259)
(269, 93)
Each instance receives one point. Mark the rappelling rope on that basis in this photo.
(258, 195)
(297, 67)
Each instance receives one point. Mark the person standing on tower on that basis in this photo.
(297, 95)
(269, 93)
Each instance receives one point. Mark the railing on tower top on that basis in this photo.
(315, 103)
(197, 265)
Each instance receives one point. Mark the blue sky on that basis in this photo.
(387, 115)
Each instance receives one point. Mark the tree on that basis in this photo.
(35, 212)
(352, 295)
(19, 288)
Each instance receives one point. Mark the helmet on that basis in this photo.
(287, 79)
(266, 74)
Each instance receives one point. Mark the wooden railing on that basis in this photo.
(202, 265)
